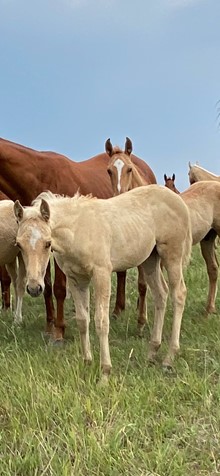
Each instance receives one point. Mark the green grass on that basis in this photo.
(56, 420)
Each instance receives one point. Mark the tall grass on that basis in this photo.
(56, 420)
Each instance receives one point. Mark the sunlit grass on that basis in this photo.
(55, 420)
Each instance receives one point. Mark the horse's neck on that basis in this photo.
(24, 173)
(137, 179)
(206, 175)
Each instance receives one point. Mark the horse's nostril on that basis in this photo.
(34, 291)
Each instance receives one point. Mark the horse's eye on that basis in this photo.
(109, 171)
(48, 244)
(129, 170)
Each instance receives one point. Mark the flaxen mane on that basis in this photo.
(49, 196)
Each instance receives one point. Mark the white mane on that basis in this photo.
(205, 170)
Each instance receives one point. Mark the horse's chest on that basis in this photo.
(72, 266)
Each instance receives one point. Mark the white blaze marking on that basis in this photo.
(119, 164)
(35, 235)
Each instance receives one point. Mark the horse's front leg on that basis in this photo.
(102, 288)
(5, 284)
(120, 294)
(20, 286)
(80, 294)
(142, 302)
(48, 298)
(60, 295)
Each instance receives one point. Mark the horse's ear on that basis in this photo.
(45, 210)
(165, 177)
(190, 166)
(18, 210)
(108, 147)
(128, 146)
(173, 177)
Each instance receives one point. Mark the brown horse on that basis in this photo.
(4, 276)
(124, 172)
(24, 173)
(126, 175)
(170, 183)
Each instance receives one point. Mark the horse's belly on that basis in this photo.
(133, 253)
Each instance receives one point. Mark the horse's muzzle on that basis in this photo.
(34, 292)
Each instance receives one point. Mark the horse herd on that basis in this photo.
(141, 225)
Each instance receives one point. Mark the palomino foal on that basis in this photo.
(124, 176)
(198, 174)
(91, 238)
(9, 254)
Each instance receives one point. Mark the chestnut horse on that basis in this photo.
(91, 238)
(4, 276)
(24, 173)
(126, 175)
(170, 183)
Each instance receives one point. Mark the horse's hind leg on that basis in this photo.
(5, 285)
(178, 295)
(159, 290)
(120, 294)
(209, 255)
(142, 303)
(60, 295)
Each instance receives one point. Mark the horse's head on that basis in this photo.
(191, 174)
(120, 166)
(170, 183)
(34, 241)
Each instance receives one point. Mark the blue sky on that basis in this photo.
(75, 72)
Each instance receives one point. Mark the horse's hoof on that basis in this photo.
(57, 342)
(210, 311)
(87, 362)
(17, 322)
(103, 381)
(115, 316)
(168, 369)
(151, 362)
(140, 332)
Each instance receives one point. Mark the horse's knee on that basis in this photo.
(59, 291)
(82, 325)
(142, 288)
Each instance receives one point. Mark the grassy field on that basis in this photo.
(55, 420)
